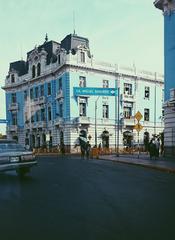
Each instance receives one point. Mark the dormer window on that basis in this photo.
(33, 71)
(39, 69)
(82, 57)
(12, 78)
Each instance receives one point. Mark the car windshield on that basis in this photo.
(11, 147)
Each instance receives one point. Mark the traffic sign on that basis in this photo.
(95, 91)
(138, 127)
(138, 116)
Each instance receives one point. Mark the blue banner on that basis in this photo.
(3, 121)
(95, 91)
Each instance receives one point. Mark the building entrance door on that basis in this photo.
(105, 139)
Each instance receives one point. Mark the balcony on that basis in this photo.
(33, 125)
(59, 95)
(59, 121)
(41, 124)
(27, 124)
(38, 101)
(82, 120)
(127, 97)
(106, 121)
(13, 128)
(42, 100)
(13, 107)
(129, 121)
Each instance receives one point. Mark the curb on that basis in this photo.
(159, 168)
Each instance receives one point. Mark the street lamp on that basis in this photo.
(96, 121)
(118, 120)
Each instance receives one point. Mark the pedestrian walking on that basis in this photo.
(83, 150)
(152, 148)
(88, 149)
(99, 148)
(62, 148)
(157, 145)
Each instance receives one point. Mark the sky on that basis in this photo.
(124, 32)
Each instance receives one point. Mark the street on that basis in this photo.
(71, 198)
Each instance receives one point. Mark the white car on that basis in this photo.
(14, 156)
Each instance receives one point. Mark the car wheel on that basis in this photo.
(22, 171)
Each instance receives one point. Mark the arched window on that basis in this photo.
(82, 57)
(38, 69)
(33, 71)
(12, 78)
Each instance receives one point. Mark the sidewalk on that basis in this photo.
(143, 161)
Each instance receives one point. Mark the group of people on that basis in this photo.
(61, 148)
(85, 150)
(154, 147)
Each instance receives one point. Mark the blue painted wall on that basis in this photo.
(169, 48)
(50, 100)
(20, 115)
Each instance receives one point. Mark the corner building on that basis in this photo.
(41, 104)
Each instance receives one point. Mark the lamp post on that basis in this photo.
(96, 121)
(155, 103)
(118, 119)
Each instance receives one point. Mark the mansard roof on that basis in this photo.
(20, 66)
(72, 41)
(69, 43)
(50, 47)
(158, 4)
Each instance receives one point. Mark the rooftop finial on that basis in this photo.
(46, 38)
(74, 22)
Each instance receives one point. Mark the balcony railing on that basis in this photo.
(39, 100)
(13, 106)
(27, 124)
(58, 121)
(40, 124)
(82, 120)
(13, 128)
(42, 100)
(129, 121)
(59, 94)
(127, 97)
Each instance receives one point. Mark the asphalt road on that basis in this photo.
(77, 199)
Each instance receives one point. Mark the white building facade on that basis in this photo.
(41, 104)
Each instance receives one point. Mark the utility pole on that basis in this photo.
(118, 119)
(155, 103)
(115, 121)
(96, 121)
